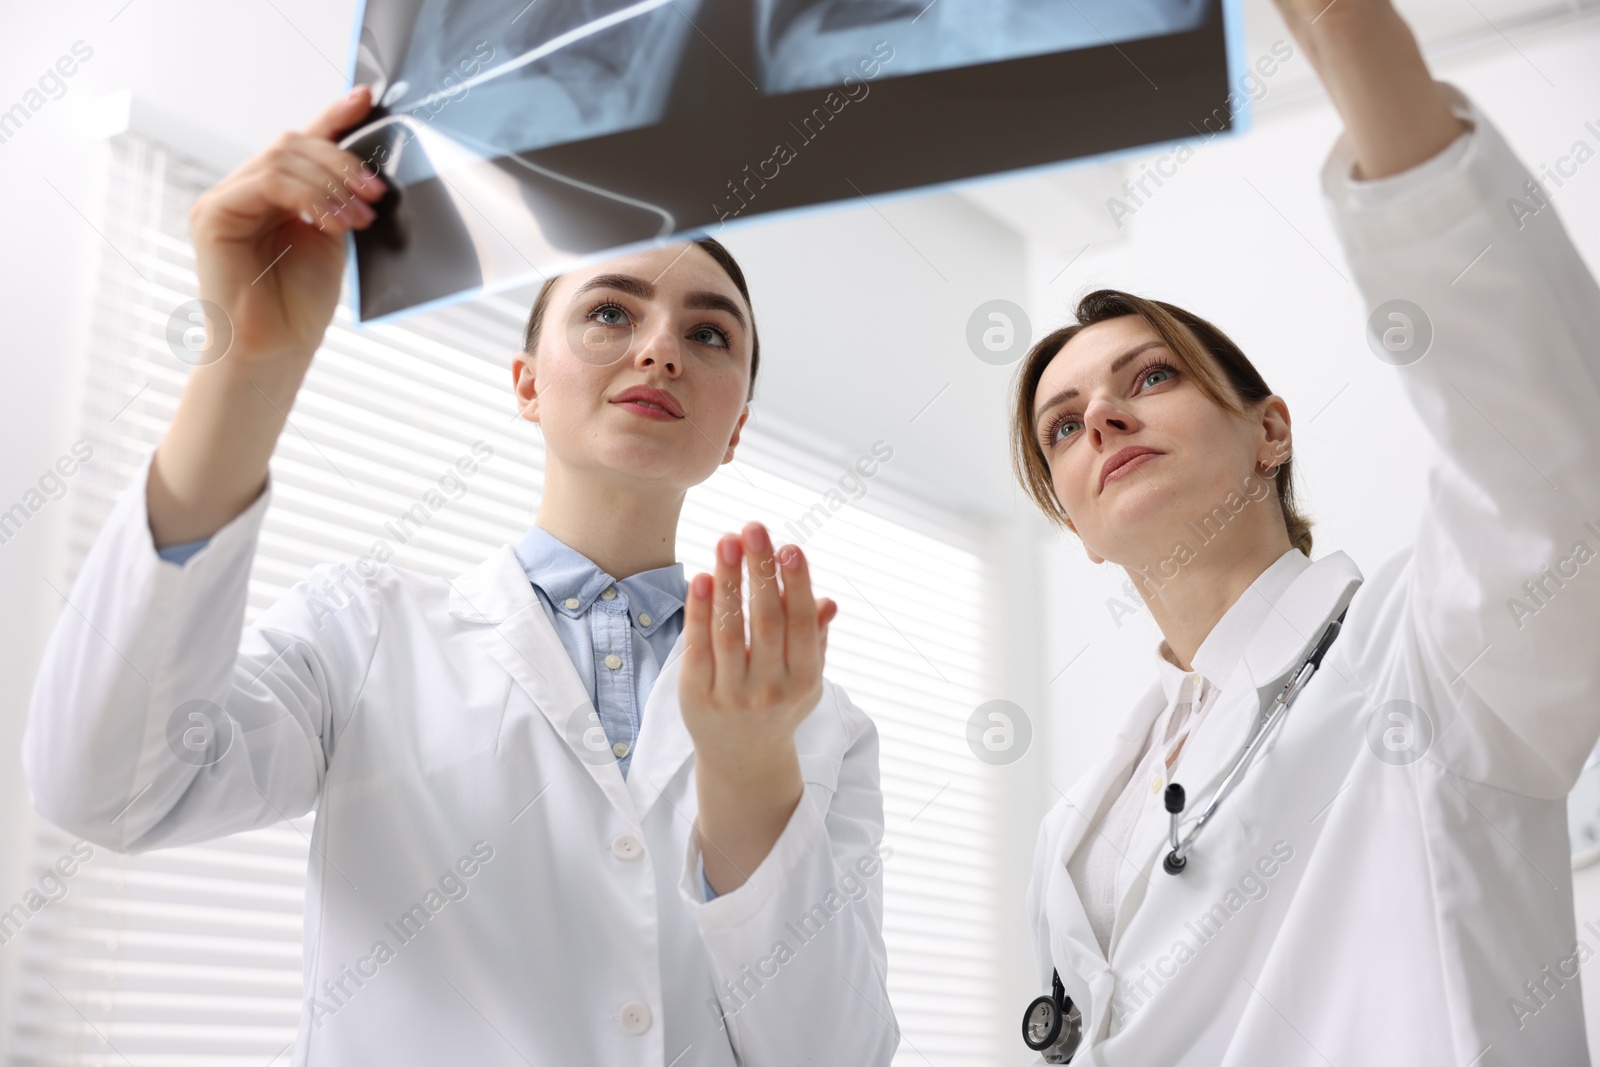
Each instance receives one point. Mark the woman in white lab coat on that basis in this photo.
(497, 874)
(1388, 882)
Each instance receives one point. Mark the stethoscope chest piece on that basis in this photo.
(1053, 1025)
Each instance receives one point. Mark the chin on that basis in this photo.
(657, 463)
(1134, 524)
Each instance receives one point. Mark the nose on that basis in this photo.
(1103, 419)
(658, 348)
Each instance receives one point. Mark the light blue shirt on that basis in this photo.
(617, 633)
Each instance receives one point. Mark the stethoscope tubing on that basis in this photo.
(1178, 857)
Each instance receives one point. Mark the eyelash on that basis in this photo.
(727, 341)
(1056, 422)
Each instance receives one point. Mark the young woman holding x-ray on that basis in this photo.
(513, 861)
(1364, 862)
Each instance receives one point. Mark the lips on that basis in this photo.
(648, 397)
(1122, 458)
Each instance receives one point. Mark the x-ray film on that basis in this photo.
(519, 141)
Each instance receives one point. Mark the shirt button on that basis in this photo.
(613, 661)
(635, 1017)
(572, 602)
(620, 749)
(644, 619)
(628, 847)
(609, 594)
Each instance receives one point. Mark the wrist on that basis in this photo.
(748, 769)
(1394, 112)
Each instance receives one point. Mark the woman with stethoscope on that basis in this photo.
(566, 812)
(1333, 832)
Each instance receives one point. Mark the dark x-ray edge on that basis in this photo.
(366, 311)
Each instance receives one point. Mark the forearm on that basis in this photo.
(745, 804)
(802, 940)
(131, 679)
(213, 460)
(1394, 113)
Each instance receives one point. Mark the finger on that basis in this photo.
(803, 652)
(697, 673)
(766, 605)
(246, 204)
(826, 613)
(344, 174)
(314, 163)
(341, 114)
(727, 627)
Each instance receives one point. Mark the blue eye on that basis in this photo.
(598, 311)
(711, 335)
(1153, 371)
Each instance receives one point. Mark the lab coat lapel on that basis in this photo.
(1289, 633)
(1088, 793)
(1074, 947)
(664, 742)
(498, 604)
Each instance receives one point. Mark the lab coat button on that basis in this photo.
(609, 594)
(613, 661)
(628, 847)
(635, 1017)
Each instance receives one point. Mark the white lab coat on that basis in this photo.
(1341, 909)
(556, 915)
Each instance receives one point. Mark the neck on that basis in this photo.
(623, 527)
(1188, 605)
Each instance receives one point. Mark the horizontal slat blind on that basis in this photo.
(192, 955)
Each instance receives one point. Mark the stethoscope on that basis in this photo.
(1173, 799)
(1053, 1025)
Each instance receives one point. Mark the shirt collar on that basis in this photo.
(564, 574)
(1222, 647)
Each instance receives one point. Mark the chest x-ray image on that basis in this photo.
(517, 142)
(552, 73)
(805, 44)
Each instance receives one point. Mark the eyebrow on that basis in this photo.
(1072, 391)
(700, 299)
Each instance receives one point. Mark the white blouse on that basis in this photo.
(1100, 860)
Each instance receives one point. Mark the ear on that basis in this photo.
(524, 387)
(1276, 440)
(733, 442)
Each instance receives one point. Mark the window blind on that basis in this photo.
(192, 956)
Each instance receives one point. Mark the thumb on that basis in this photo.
(342, 113)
